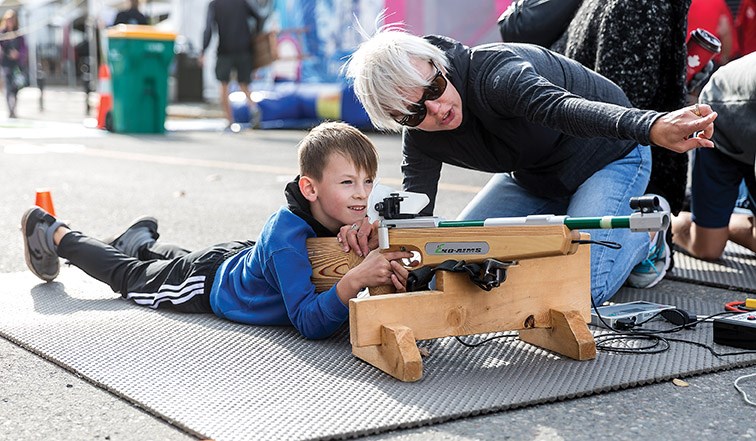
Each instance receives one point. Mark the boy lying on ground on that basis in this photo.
(266, 282)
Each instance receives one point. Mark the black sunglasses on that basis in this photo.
(432, 91)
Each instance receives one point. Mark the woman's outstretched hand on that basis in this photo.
(685, 129)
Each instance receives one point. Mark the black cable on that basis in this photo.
(495, 337)
(712, 350)
(651, 334)
(660, 331)
(658, 344)
(604, 243)
(679, 327)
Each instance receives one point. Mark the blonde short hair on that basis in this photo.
(382, 72)
(336, 137)
(8, 15)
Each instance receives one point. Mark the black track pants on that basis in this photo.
(169, 277)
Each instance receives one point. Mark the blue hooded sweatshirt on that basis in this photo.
(269, 284)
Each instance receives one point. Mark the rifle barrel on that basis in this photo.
(573, 223)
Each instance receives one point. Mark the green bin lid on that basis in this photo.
(142, 32)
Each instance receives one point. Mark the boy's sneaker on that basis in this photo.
(652, 269)
(142, 232)
(38, 227)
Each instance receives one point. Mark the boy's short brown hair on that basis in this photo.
(336, 137)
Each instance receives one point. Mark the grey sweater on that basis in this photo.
(526, 110)
(731, 92)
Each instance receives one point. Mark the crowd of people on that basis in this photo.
(574, 122)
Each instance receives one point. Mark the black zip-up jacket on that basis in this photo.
(528, 111)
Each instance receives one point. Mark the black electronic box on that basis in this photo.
(737, 330)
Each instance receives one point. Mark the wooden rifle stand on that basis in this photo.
(546, 299)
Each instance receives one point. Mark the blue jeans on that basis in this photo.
(606, 193)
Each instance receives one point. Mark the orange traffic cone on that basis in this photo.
(44, 200)
(105, 90)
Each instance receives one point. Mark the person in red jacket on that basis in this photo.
(715, 17)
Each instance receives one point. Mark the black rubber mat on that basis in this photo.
(225, 381)
(735, 270)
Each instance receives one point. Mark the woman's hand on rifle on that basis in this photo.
(360, 236)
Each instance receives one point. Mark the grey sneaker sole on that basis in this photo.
(27, 256)
(147, 221)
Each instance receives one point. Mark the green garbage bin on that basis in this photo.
(139, 58)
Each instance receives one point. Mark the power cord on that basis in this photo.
(742, 392)
(631, 331)
(628, 331)
(738, 307)
(486, 340)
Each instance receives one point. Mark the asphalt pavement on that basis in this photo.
(205, 184)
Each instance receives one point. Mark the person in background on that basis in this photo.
(715, 17)
(717, 173)
(640, 46)
(230, 20)
(559, 138)
(131, 15)
(13, 55)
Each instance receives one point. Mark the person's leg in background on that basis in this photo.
(223, 65)
(224, 103)
(715, 182)
(742, 231)
(608, 193)
(742, 227)
(701, 242)
(10, 93)
(244, 75)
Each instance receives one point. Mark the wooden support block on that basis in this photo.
(458, 307)
(568, 335)
(397, 355)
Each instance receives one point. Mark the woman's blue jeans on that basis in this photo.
(606, 193)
